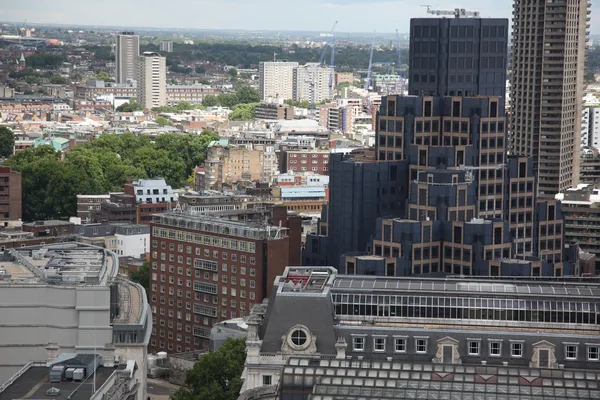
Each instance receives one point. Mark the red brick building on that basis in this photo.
(207, 269)
(305, 160)
(10, 195)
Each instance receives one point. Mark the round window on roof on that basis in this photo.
(299, 337)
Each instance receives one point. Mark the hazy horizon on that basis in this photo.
(272, 15)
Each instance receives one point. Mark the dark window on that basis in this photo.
(497, 235)
(522, 170)
(350, 268)
(456, 109)
(428, 109)
(494, 109)
(457, 234)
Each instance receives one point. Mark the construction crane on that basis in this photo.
(321, 61)
(332, 67)
(326, 46)
(399, 54)
(457, 12)
(368, 82)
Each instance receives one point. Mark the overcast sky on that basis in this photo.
(317, 15)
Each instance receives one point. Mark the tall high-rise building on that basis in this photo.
(152, 80)
(127, 54)
(276, 79)
(441, 194)
(549, 39)
(312, 78)
(458, 56)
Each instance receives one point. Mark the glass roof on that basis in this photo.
(542, 288)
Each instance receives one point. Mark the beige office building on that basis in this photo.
(549, 40)
(276, 79)
(152, 80)
(127, 53)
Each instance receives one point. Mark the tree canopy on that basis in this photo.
(243, 95)
(45, 60)
(245, 54)
(216, 375)
(51, 185)
(130, 106)
(243, 112)
(7, 141)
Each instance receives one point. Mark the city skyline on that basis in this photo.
(233, 14)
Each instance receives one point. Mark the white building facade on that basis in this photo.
(312, 77)
(590, 127)
(152, 80)
(276, 79)
(153, 191)
(133, 241)
(63, 299)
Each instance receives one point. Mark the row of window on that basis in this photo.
(207, 240)
(304, 161)
(312, 155)
(474, 347)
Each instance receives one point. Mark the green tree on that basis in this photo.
(103, 76)
(300, 104)
(162, 121)
(7, 141)
(216, 375)
(130, 106)
(142, 276)
(589, 76)
(58, 80)
(51, 184)
(228, 99)
(210, 101)
(45, 60)
(200, 69)
(246, 94)
(243, 112)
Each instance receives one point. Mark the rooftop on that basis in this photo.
(34, 384)
(63, 264)
(466, 285)
(196, 220)
(356, 379)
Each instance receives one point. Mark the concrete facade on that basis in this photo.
(127, 53)
(152, 80)
(311, 82)
(276, 79)
(547, 89)
(44, 314)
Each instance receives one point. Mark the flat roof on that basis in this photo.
(63, 263)
(34, 383)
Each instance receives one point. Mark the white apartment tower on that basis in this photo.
(312, 77)
(590, 127)
(127, 54)
(276, 79)
(152, 80)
